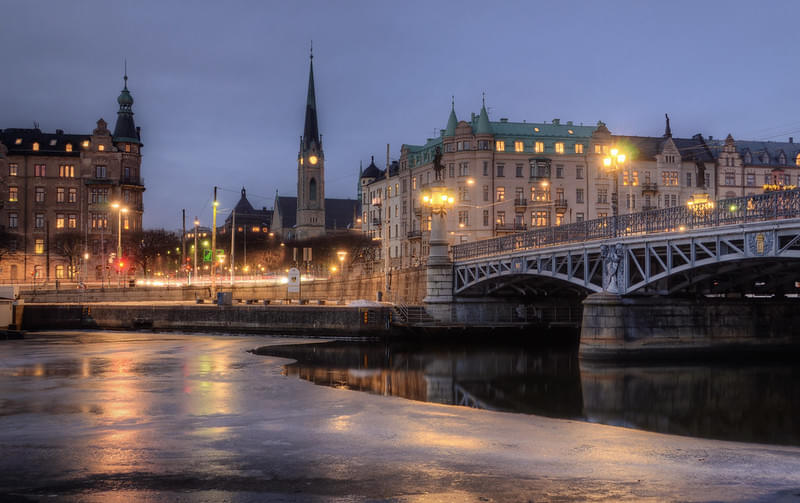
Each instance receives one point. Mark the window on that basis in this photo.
(485, 192)
(486, 218)
(540, 218)
(579, 148)
(463, 169)
(579, 196)
(559, 194)
(38, 221)
(60, 194)
(538, 147)
(13, 194)
(559, 147)
(463, 193)
(13, 220)
(519, 146)
(500, 194)
(414, 183)
(101, 148)
(126, 223)
(500, 168)
(126, 195)
(60, 221)
(39, 169)
(36, 146)
(404, 185)
(85, 144)
(483, 144)
(579, 217)
(69, 147)
(597, 149)
(500, 146)
(541, 194)
(463, 218)
(73, 221)
(730, 178)
(99, 171)
(38, 247)
(99, 221)
(669, 178)
(797, 160)
(559, 171)
(59, 271)
(630, 201)
(767, 179)
(448, 147)
(519, 170)
(73, 195)
(13, 170)
(66, 171)
(579, 172)
(501, 218)
(127, 147)
(466, 145)
(452, 168)
(39, 194)
(519, 195)
(602, 195)
(99, 195)
(485, 168)
(688, 179)
(388, 192)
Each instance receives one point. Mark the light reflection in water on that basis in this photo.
(756, 402)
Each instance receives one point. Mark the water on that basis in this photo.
(743, 401)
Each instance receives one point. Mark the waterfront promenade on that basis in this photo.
(117, 416)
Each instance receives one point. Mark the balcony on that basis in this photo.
(510, 227)
(649, 187)
(520, 203)
(561, 206)
(415, 234)
(137, 181)
(376, 222)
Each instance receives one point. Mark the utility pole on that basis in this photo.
(183, 244)
(214, 247)
(233, 234)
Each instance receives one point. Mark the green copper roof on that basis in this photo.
(483, 122)
(451, 121)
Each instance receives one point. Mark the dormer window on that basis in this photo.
(53, 142)
(782, 158)
(18, 141)
(764, 158)
(797, 160)
(85, 144)
(35, 146)
(101, 148)
(68, 147)
(748, 159)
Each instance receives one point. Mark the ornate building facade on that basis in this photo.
(61, 193)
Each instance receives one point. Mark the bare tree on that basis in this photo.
(153, 248)
(69, 245)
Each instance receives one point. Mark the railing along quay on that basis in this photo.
(738, 210)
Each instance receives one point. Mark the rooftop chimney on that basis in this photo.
(59, 131)
(791, 139)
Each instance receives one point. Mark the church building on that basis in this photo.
(310, 215)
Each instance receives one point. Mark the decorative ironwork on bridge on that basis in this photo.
(656, 250)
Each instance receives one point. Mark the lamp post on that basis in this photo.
(439, 275)
(194, 269)
(120, 210)
(613, 163)
(341, 254)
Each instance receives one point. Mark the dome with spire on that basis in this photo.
(125, 98)
(372, 170)
(483, 121)
(125, 129)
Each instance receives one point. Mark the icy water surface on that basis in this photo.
(753, 402)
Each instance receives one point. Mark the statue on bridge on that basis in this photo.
(613, 269)
(438, 167)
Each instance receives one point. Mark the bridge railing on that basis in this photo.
(761, 207)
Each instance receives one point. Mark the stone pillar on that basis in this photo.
(439, 292)
(603, 326)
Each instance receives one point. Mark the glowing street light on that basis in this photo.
(613, 163)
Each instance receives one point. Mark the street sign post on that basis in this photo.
(293, 284)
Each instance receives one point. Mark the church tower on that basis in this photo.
(310, 171)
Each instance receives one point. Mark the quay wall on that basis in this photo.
(407, 286)
(616, 327)
(330, 321)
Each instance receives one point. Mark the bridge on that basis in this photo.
(695, 269)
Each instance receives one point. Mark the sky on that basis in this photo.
(220, 87)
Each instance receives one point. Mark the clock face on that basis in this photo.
(313, 160)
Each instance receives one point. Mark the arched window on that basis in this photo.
(69, 147)
(797, 160)
(312, 189)
(36, 145)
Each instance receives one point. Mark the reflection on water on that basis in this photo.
(754, 403)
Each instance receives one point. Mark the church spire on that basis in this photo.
(667, 130)
(125, 129)
(311, 130)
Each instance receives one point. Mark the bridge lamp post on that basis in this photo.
(613, 164)
(439, 286)
(341, 254)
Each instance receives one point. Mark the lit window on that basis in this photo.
(18, 141)
(69, 147)
(13, 194)
(85, 144)
(597, 149)
(35, 145)
(559, 148)
(125, 223)
(39, 170)
(101, 148)
(60, 271)
(60, 221)
(797, 160)
(501, 194)
(539, 147)
(570, 131)
(127, 147)
(579, 148)
(39, 247)
(13, 170)
(60, 194)
(73, 221)
(66, 171)
(519, 146)
(500, 146)
(536, 129)
(73, 195)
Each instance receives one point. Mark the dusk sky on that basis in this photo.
(220, 87)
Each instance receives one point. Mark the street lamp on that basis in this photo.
(120, 210)
(194, 269)
(613, 163)
(341, 254)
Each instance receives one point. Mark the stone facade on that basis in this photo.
(59, 183)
